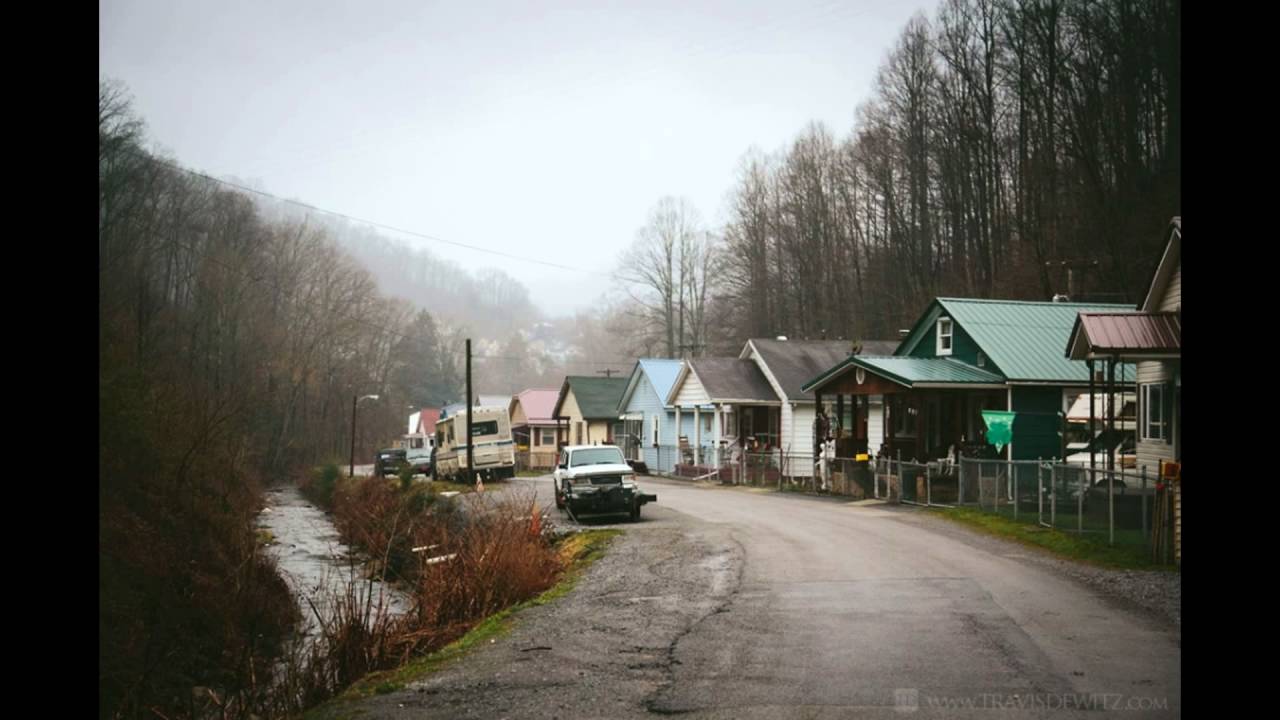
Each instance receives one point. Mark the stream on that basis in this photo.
(313, 559)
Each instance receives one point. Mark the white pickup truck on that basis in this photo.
(596, 480)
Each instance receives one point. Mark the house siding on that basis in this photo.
(645, 400)
(795, 434)
(569, 410)
(598, 432)
(875, 424)
(1151, 452)
(963, 348)
(691, 392)
(1038, 424)
(1173, 293)
(798, 438)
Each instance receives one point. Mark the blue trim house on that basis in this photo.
(648, 423)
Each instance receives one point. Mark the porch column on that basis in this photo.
(818, 411)
(697, 435)
(839, 420)
(677, 435)
(717, 432)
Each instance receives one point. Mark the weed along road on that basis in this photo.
(729, 603)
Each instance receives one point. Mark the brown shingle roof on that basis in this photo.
(727, 379)
(794, 362)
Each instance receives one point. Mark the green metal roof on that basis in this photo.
(911, 371)
(597, 396)
(1024, 340)
(915, 371)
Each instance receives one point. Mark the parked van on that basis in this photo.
(418, 447)
(492, 446)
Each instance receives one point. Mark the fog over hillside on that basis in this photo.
(515, 345)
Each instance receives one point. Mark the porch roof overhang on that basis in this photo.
(911, 373)
(1126, 337)
(741, 403)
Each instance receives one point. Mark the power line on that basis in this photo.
(339, 314)
(373, 223)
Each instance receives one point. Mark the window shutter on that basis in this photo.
(1166, 408)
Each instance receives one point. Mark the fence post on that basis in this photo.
(1145, 536)
(960, 483)
(1080, 505)
(1010, 478)
(928, 484)
(899, 476)
(1015, 495)
(1039, 492)
(1111, 506)
(1053, 496)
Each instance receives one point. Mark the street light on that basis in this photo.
(354, 400)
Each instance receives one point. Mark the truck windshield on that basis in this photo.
(596, 456)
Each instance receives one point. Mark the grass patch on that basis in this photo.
(1089, 548)
(532, 473)
(577, 552)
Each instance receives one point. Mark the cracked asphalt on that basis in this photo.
(728, 603)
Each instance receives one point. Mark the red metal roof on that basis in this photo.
(538, 405)
(1134, 333)
(427, 420)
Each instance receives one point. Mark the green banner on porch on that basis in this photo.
(999, 427)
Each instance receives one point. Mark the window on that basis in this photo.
(577, 433)
(944, 336)
(706, 423)
(548, 436)
(982, 359)
(655, 430)
(1155, 425)
(487, 427)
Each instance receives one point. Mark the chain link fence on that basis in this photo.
(1124, 506)
(1121, 506)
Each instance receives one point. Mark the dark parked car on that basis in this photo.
(389, 462)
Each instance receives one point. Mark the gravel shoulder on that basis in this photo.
(1157, 593)
(604, 650)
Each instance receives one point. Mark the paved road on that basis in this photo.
(731, 603)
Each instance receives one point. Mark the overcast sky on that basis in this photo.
(541, 129)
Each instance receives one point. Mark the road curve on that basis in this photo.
(724, 602)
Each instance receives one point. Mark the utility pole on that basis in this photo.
(470, 455)
(1074, 291)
